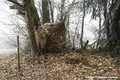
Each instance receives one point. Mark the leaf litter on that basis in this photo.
(69, 66)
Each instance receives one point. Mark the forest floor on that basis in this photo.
(69, 66)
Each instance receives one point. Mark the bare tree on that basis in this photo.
(28, 7)
(30, 26)
(82, 28)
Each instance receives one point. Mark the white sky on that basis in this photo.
(5, 29)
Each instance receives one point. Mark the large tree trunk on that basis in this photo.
(28, 10)
(35, 15)
(30, 26)
(114, 36)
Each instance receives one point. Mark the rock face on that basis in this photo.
(51, 37)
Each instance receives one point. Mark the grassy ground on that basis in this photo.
(68, 66)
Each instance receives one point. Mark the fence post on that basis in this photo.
(18, 52)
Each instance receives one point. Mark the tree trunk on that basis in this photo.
(113, 39)
(51, 10)
(35, 15)
(61, 11)
(30, 27)
(32, 20)
(45, 10)
(99, 33)
(105, 8)
(81, 38)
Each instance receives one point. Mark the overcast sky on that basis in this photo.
(5, 27)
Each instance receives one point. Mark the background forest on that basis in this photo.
(50, 11)
(87, 32)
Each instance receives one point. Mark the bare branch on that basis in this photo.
(15, 2)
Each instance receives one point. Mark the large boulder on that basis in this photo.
(51, 37)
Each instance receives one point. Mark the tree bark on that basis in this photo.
(30, 27)
(35, 15)
(32, 19)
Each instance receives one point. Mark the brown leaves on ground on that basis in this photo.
(69, 66)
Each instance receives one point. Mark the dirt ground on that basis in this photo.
(61, 66)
